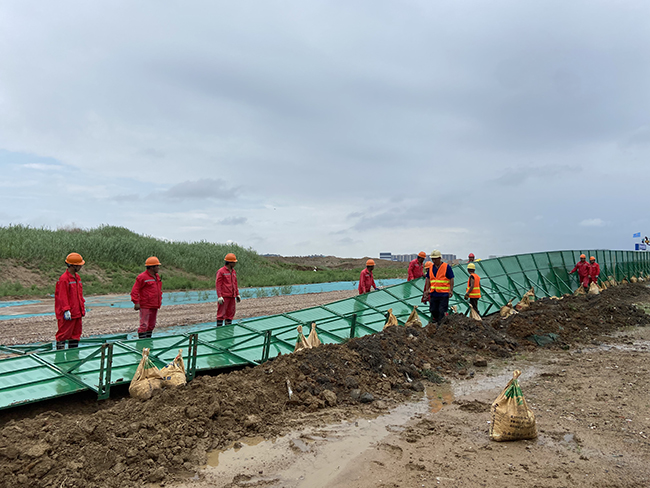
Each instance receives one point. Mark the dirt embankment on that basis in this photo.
(308, 263)
(126, 442)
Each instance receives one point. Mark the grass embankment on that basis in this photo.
(31, 260)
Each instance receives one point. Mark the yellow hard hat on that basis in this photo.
(436, 254)
(471, 266)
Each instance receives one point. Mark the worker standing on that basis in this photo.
(227, 291)
(582, 267)
(366, 280)
(146, 296)
(69, 303)
(473, 292)
(594, 270)
(416, 269)
(440, 278)
(471, 257)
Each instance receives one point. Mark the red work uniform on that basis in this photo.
(147, 291)
(228, 289)
(583, 272)
(366, 282)
(594, 272)
(416, 270)
(69, 296)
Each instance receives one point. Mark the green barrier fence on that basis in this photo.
(39, 372)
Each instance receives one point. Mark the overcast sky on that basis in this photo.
(331, 127)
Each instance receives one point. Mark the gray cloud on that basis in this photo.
(233, 221)
(202, 189)
(514, 176)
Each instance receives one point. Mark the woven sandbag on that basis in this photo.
(147, 378)
(474, 314)
(624, 281)
(579, 291)
(593, 289)
(174, 373)
(301, 342)
(391, 320)
(512, 420)
(414, 318)
(633, 279)
(506, 310)
(313, 340)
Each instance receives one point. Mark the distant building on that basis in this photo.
(407, 258)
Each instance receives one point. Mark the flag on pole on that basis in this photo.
(638, 234)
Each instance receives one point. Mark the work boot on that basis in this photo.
(228, 322)
(73, 343)
(219, 323)
(148, 334)
(142, 335)
(60, 345)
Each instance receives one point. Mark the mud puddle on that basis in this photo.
(314, 456)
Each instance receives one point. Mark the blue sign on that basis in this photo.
(638, 234)
(642, 247)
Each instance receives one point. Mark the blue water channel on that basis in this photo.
(205, 296)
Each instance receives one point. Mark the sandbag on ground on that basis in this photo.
(174, 373)
(511, 418)
(147, 378)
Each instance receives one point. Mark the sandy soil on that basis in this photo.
(373, 412)
(106, 320)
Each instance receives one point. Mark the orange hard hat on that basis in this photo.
(152, 261)
(230, 258)
(428, 264)
(370, 262)
(592, 258)
(582, 256)
(422, 254)
(75, 258)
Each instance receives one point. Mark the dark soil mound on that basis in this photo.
(129, 443)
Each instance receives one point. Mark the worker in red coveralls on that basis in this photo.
(416, 268)
(69, 303)
(146, 296)
(366, 280)
(227, 291)
(582, 267)
(594, 270)
(471, 257)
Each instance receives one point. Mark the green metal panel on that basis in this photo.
(41, 373)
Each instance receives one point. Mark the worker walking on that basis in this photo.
(582, 267)
(366, 280)
(594, 270)
(146, 296)
(416, 268)
(440, 281)
(473, 292)
(69, 303)
(227, 291)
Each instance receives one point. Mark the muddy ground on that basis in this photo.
(107, 320)
(588, 391)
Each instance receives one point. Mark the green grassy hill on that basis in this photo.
(31, 260)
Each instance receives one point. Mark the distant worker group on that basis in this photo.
(588, 272)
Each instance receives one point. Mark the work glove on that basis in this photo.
(238, 298)
(67, 315)
(136, 306)
(466, 296)
(220, 300)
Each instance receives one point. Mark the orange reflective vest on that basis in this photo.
(440, 283)
(476, 291)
